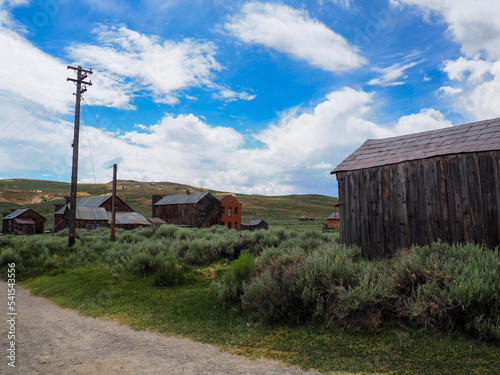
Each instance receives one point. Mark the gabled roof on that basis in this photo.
(15, 213)
(91, 213)
(334, 216)
(181, 199)
(473, 137)
(129, 218)
(254, 222)
(89, 202)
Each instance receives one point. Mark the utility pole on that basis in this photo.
(81, 74)
(113, 206)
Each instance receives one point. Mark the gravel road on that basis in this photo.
(52, 340)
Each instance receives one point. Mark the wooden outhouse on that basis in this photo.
(23, 221)
(420, 188)
(200, 210)
(254, 225)
(230, 212)
(333, 221)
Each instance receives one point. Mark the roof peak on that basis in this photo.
(477, 136)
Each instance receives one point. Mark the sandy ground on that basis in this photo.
(52, 340)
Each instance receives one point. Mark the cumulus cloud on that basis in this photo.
(295, 154)
(427, 119)
(473, 24)
(294, 32)
(43, 83)
(476, 86)
(132, 61)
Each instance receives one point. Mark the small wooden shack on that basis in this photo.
(421, 188)
(199, 210)
(254, 225)
(333, 221)
(23, 221)
(230, 212)
(95, 212)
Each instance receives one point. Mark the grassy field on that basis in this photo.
(168, 279)
(191, 311)
(275, 210)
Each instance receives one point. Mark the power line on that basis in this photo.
(88, 141)
(109, 140)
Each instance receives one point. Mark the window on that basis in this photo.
(229, 225)
(236, 225)
(229, 211)
(236, 210)
(223, 210)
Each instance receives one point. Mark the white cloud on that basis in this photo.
(478, 83)
(473, 24)
(32, 74)
(427, 119)
(294, 32)
(296, 154)
(132, 62)
(391, 74)
(346, 4)
(449, 91)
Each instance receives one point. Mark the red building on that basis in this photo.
(231, 212)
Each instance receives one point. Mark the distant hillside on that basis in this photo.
(276, 210)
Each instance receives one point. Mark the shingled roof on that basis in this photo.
(473, 137)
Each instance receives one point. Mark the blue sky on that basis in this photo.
(259, 97)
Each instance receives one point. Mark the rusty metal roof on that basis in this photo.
(24, 220)
(473, 137)
(155, 220)
(181, 199)
(129, 218)
(15, 213)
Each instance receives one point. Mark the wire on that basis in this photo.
(88, 141)
(109, 139)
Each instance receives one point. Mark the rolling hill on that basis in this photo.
(41, 195)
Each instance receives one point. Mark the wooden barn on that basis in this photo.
(420, 188)
(95, 212)
(231, 212)
(333, 221)
(254, 225)
(23, 221)
(199, 210)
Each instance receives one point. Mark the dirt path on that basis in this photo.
(52, 340)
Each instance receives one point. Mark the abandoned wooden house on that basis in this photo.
(95, 212)
(333, 221)
(254, 225)
(231, 212)
(199, 210)
(23, 221)
(420, 188)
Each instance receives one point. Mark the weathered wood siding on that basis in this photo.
(201, 214)
(454, 198)
(10, 226)
(333, 224)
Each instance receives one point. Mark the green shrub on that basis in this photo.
(230, 287)
(169, 274)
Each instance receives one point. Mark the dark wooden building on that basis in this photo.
(230, 212)
(254, 225)
(200, 210)
(421, 188)
(23, 221)
(95, 212)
